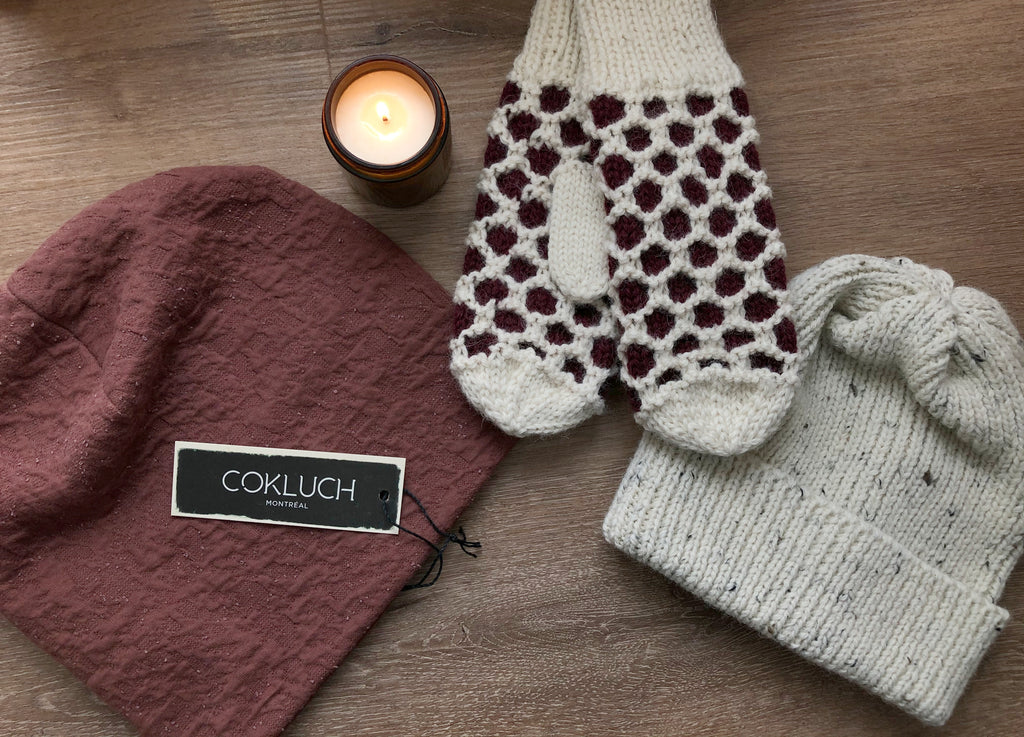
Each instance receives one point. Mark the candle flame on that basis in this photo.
(382, 111)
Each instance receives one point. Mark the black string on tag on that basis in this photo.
(448, 537)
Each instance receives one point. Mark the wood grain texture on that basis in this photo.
(889, 128)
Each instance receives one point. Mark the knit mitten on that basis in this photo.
(535, 339)
(699, 280)
(874, 532)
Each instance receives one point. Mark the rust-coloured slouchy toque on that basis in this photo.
(222, 305)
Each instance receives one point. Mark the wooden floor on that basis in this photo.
(889, 128)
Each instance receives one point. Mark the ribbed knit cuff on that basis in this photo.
(811, 575)
(642, 47)
(551, 51)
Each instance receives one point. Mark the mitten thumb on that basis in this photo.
(577, 252)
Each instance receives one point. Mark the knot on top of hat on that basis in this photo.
(955, 347)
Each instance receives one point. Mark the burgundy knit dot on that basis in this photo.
(759, 307)
(708, 315)
(639, 360)
(750, 245)
(647, 195)
(765, 213)
(675, 224)
(729, 282)
(511, 183)
(775, 273)
(664, 163)
(520, 269)
(542, 301)
(606, 109)
(637, 138)
(681, 288)
(533, 214)
(542, 247)
(632, 295)
(558, 334)
(553, 99)
(670, 375)
(739, 187)
(654, 260)
(761, 360)
(613, 265)
(709, 362)
(501, 239)
(702, 254)
(735, 338)
(522, 125)
(629, 231)
(711, 160)
(489, 289)
(722, 221)
(474, 261)
(699, 105)
(739, 101)
(635, 405)
(592, 151)
(659, 323)
(586, 315)
(727, 130)
(694, 191)
(680, 134)
(528, 346)
(785, 335)
(484, 206)
(616, 170)
(480, 343)
(752, 157)
(509, 321)
(577, 369)
(509, 93)
(496, 151)
(603, 352)
(462, 318)
(655, 107)
(572, 133)
(543, 160)
(685, 344)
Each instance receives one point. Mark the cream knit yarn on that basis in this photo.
(535, 340)
(875, 531)
(698, 274)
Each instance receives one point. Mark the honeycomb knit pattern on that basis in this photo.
(529, 355)
(697, 267)
(875, 531)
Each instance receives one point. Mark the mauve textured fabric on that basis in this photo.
(223, 305)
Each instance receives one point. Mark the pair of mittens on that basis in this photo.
(624, 229)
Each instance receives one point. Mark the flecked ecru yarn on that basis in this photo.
(875, 531)
(535, 341)
(698, 277)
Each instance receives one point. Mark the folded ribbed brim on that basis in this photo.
(797, 568)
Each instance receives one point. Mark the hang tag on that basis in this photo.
(305, 488)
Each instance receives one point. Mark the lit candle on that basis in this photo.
(386, 122)
(384, 117)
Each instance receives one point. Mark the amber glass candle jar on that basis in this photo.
(386, 122)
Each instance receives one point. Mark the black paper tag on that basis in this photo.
(287, 487)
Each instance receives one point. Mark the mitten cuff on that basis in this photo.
(551, 51)
(641, 47)
(823, 582)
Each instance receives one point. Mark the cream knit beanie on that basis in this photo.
(874, 532)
